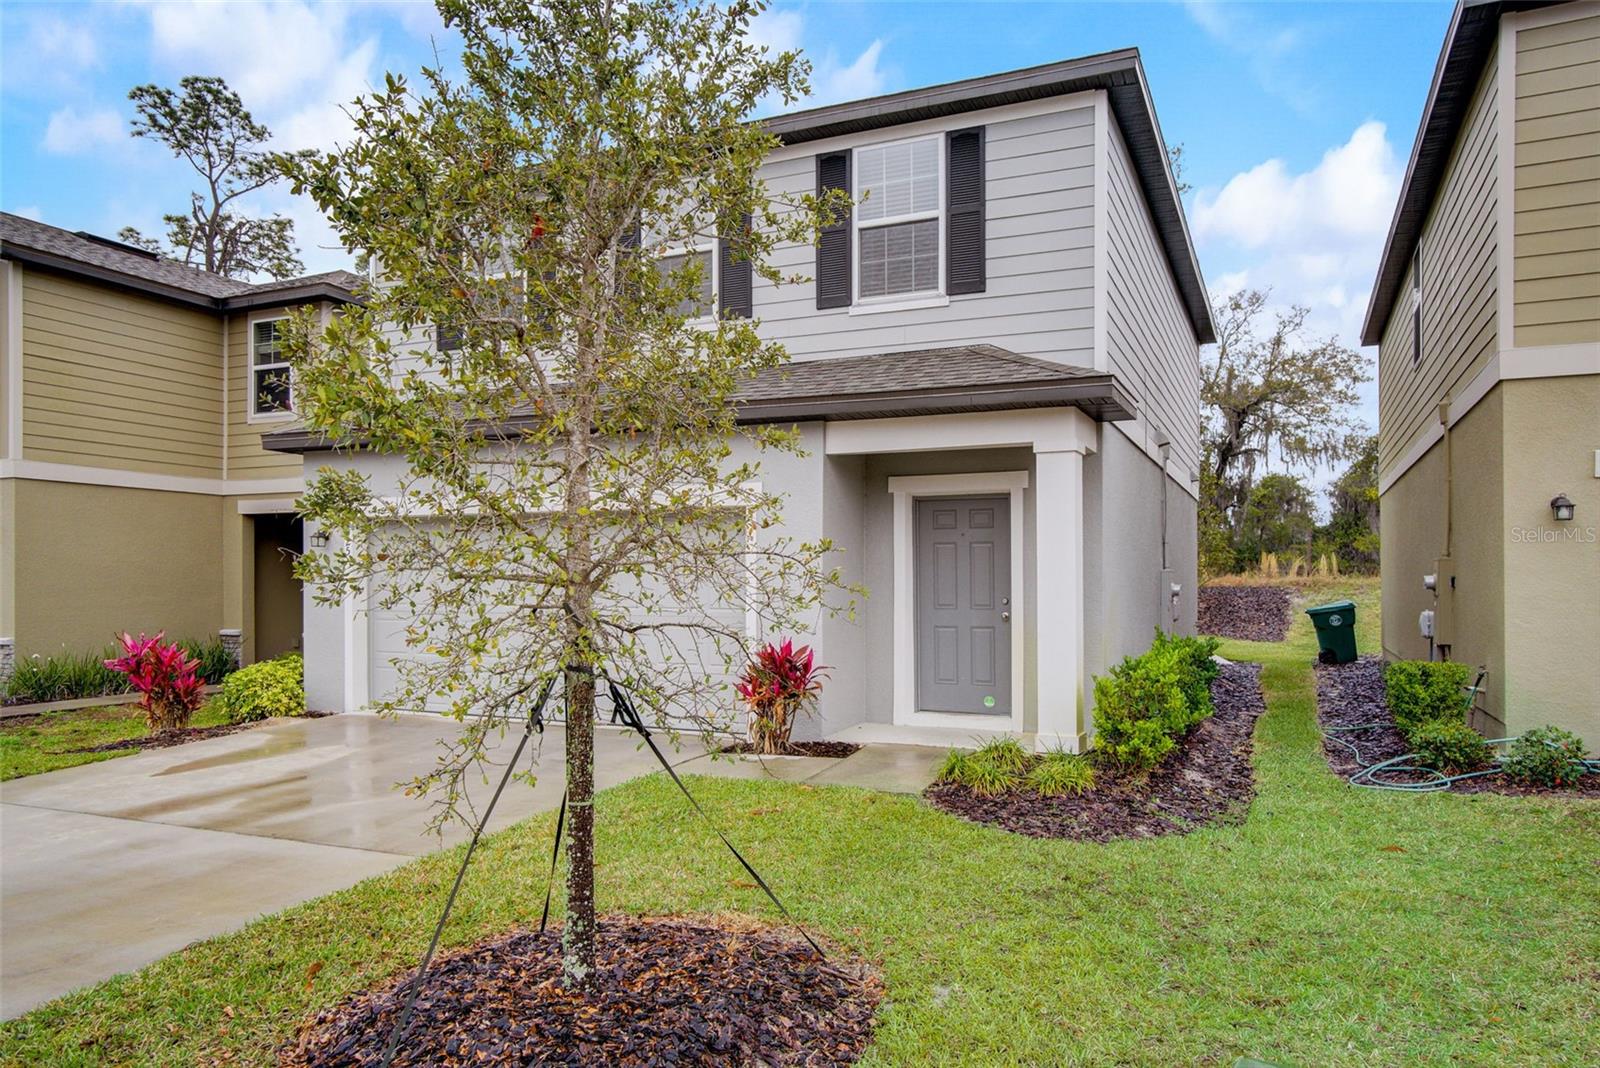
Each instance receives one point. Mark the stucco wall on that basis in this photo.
(94, 560)
(1552, 570)
(1557, 289)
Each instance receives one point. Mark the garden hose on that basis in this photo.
(1436, 780)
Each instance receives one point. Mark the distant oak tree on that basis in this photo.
(206, 124)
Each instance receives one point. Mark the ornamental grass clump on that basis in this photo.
(1061, 774)
(165, 674)
(778, 684)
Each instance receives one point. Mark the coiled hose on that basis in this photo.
(1435, 779)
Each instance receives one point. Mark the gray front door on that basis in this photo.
(963, 605)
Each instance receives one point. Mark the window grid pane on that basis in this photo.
(898, 180)
(902, 258)
(272, 389)
(694, 307)
(268, 343)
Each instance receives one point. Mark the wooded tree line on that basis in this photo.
(1274, 397)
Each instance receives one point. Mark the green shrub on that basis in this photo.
(216, 659)
(1420, 692)
(269, 688)
(1545, 756)
(1057, 774)
(64, 677)
(1147, 702)
(1450, 747)
(1004, 753)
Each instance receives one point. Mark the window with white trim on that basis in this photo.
(1416, 306)
(703, 304)
(899, 218)
(269, 370)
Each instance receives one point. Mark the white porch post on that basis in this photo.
(1058, 512)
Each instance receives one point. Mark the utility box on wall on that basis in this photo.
(1444, 613)
(1170, 595)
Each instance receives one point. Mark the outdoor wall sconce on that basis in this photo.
(320, 539)
(1561, 507)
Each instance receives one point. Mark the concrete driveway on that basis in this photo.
(107, 867)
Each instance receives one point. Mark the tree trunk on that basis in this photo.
(578, 937)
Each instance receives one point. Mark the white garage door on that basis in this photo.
(388, 650)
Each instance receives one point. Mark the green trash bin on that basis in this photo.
(1336, 631)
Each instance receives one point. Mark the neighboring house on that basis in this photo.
(134, 491)
(1486, 309)
(997, 382)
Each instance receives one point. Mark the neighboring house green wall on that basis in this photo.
(1557, 290)
(94, 560)
(1458, 290)
(113, 380)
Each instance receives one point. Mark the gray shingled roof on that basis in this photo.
(960, 378)
(109, 261)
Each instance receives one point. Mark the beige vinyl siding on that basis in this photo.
(120, 381)
(246, 458)
(1557, 290)
(1459, 298)
(1039, 248)
(1149, 343)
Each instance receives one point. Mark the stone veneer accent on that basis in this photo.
(233, 641)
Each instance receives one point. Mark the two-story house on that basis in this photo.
(996, 380)
(1486, 311)
(134, 490)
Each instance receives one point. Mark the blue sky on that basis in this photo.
(1296, 118)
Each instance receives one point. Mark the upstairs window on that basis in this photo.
(269, 370)
(703, 303)
(1416, 307)
(898, 218)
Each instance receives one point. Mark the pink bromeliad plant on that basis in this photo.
(778, 683)
(165, 675)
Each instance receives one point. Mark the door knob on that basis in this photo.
(1005, 617)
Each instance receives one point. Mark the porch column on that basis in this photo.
(1058, 513)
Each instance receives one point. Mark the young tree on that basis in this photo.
(1352, 529)
(577, 498)
(1278, 517)
(1264, 386)
(206, 123)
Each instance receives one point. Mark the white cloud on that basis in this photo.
(44, 51)
(832, 79)
(1272, 53)
(70, 132)
(1312, 238)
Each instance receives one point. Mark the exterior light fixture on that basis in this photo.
(1561, 507)
(320, 539)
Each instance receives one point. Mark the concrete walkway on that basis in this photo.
(106, 867)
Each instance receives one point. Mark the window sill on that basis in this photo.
(269, 417)
(873, 307)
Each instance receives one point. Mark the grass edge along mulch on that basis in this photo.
(669, 990)
(1208, 778)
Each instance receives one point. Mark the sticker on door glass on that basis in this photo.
(988, 700)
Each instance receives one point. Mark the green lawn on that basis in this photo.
(1333, 926)
(44, 742)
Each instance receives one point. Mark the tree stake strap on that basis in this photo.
(623, 707)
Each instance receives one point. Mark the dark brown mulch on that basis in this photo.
(183, 735)
(1207, 779)
(836, 750)
(671, 991)
(1352, 695)
(1247, 613)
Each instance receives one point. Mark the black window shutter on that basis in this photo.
(833, 244)
(964, 221)
(735, 272)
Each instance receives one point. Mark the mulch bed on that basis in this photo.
(670, 991)
(1352, 695)
(1207, 779)
(1246, 613)
(835, 750)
